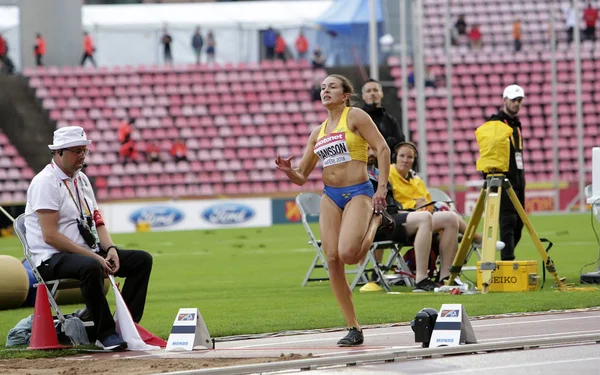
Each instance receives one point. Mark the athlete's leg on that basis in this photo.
(329, 222)
(358, 229)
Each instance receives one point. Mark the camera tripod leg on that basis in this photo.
(548, 263)
(467, 240)
(490, 232)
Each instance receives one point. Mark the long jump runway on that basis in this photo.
(544, 343)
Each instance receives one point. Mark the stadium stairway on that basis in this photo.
(24, 122)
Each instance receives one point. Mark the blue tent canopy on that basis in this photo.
(345, 28)
(343, 15)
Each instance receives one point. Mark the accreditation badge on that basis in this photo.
(519, 159)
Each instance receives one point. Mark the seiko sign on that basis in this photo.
(228, 213)
(158, 216)
(504, 280)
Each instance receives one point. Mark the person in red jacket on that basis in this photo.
(590, 16)
(301, 46)
(179, 150)
(475, 37)
(128, 152)
(152, 152)
(39, 50)
(88, 49)
(3, 47)
(124, 131)
(280, 47)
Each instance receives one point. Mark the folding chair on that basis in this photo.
(309, 205)
(395, 260)
(19, 227)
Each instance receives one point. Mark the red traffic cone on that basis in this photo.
(43, 333)
(150, 338)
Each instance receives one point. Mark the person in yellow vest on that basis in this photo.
(410, 191)
(351, 211)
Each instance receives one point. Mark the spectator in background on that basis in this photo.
(179, 150)
(590, 16)
(197, 44)
(517, 35)
(301, 46)
(88, 49)
(39, 49)
(411, 79)
(430, 78)
(318, 59)
(6, 65)
(280, 47)
(461, 25)
(315, 91)
(152, 152)
(211, 45)
(570, 20)
(388, 126)
(475, 37)
(269, 40)
(166, 41)
(3, 47)
(125, 130)
(127, 152)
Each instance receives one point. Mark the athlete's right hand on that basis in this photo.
(284, 165)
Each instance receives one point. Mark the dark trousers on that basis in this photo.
(38, 60)
(511, 225)
(590, 33)
(168, 56)
(135, 266)
(87, 56)
(270, 55)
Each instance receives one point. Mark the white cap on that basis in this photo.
(69, 136)
(513, 92)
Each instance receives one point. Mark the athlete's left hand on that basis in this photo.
(379, 203)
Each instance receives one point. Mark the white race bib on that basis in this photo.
(332, 149)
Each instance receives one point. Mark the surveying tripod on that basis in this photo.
(490, 199)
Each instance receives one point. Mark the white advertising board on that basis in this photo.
(188, 215)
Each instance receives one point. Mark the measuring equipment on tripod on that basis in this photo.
(493, 139)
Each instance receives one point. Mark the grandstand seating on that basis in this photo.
(495, 19)
(15, 174)
(235, 120)
(479, 77)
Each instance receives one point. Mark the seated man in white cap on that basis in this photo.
(511, 225)
(68, 238)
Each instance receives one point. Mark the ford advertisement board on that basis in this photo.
(188, 215)
(228, 213)
(157, 216)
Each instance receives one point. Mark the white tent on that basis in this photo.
(130, 34)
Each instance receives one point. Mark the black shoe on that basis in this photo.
(388, 224)
(353, 338)
(113, 342)
(83, 314)
(425, 285)
(443, 281)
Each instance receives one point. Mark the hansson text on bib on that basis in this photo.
(332, 149)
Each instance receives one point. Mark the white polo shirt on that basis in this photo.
(48, 191)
